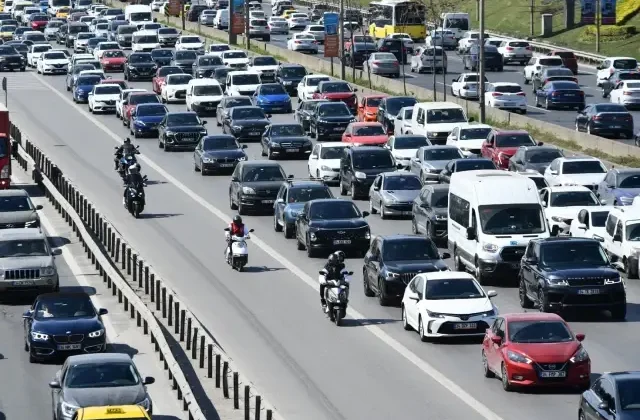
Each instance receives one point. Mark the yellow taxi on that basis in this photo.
(63, 12)
(120, 412)
(287, 13)
(6, 32)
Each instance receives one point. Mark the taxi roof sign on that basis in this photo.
(114, 410)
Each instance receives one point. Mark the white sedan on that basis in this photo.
(317, 31)
(103, 98)
(508, 96)
(466, 85)
(35, 51)
(175, 88)
(298, 21)
(406, 39)
(626, 92)
(447, 304)
(190, 42)
(303, 43)
(52, 62)
(309, 85)
(324, 161)
(590, 222)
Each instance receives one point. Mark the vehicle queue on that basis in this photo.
(555, 240)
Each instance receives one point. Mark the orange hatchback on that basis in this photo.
(365, 134)
(368, 107)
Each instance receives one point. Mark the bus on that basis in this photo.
(397, 16)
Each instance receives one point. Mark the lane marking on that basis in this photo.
(411, 357)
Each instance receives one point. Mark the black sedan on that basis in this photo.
(326, 225)
(227, 103)
(206, 65)
(180, 130)
(392, 261)
(61, 324)
(605, 120)
(246, 123)
(255, 185)
(162, 56)
(461, 165)
(285, 140)
(492, 58)
(218, 153)
(140, 65)
(184, 60)
(614, 395)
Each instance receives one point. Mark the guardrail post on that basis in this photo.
(247, 403)
(170, 314)
(128, 261)
(225, 380)
(209, 360)
(202, 351)
(164, 301)
(103, 233)
(134, 266)
(182, 315)
(236, 391)
(179, 320)
(157, 283)
(218, 361)
(269, 414)
(194, 343)
(124, 256)
(146, 282)
(258, 404)
(117, 249)
(109, 243)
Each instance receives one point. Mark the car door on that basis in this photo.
(591, 400)
(375, 195)
(616, 241)
(264, 140)
(302, 222)
(346, 172)
(420, 206)
(361, 103)
(372, 265)
(381, 111)
(236, 176)
(59, 377)
(552, 172)
(300, 87)
(492, 350)
(582, 117)
(416, 162)
(162, 126)
(608, 395)
(197, 153)
(281, 202)
(452, 139)
(314, 160)
(487, 147)
(528, 270)
(445, 175)
(412, 307)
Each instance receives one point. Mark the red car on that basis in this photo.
(535, 349)
(568, 59)
(161, 75)
(38, 21)
(136, 99)
(113, 60)
(365, 133)
(123, 84)
(502, 144)
(337, 90)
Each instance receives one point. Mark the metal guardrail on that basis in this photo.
(143, 293)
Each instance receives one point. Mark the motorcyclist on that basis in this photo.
(133, 181)
(126, 149)
(236, 228)
(333, 270)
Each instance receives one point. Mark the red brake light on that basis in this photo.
(522, 94)
(528, 48)
(626, 92)
(494, 94)
(509, 48)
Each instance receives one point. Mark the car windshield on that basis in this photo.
(55, 56)
(234, 54)
(304, 194)
(207, 90)
(538, 332)
(95, 41)
(333, 110)
(625, 64)
(110, 89)
(186, 55)
(23, 248)
(633, 85)
(265, 61)
(450, 115)
(85, 35)
(210, 61)
(219, 143)
(372, 160)
(577, 254)
(440, 199)
(288, 130)
(510, 219)
(629, 76)
(143, 99)
(245, 79)
(162, 53)
(190, 40)
(248, 114)
(401, 183)
(409, 142)
(507, 89)
(542, 155)
(598, 218)
(334, 209)
(167, 31)
(335, 87)
(145, 111)
(114, 54)
(78, 68)
(629, 181)
(89, 80)
(610, 108)
(165, 71)
(408, 112)
(474, 133)
(101, 375)
(183, 119)
(7, 28)
(331, 152)
(583, 167)
(272, 89)
(140, 58)
(64, 307)
(263, 173)
(448, 153)
(293, 72)
(514, 140)
(146, 39)
(369, 130)
(573, 198)
(8, 51)
(234, 102)
(629, 393)
(11, 203)
(633, 231)
(41, 48)
(550, 62)
(102, 26)
(221, 73)
(394, 105)
(409, 250)
(179, 79)
(452, 289)
(218, 48)
(40, 37)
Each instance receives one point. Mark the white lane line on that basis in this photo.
(411, 357)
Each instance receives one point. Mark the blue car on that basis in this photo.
(560, 94)
(44, 6)
(272, 98)
(84, 85)
(291, 199)
(620, 187)
(145, 119)
(61, 324)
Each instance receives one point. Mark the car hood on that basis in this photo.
(192, 46)
(338, 95)
(168, 36)
(288, 139)
(25, 262)
(85, 87)
(18, 216)
(162, 60)
(207, 98)
(441, 127)
(435, 164)
(251, 123)
(236, 61)
(509, 151)
(338, 223)
(381, 139)
(207, 68)
(154, 119)
(547, 352)
(400, 195)
(186, 128)
(459, 306)
(294, 207)
(404, 153)
(106, 97)
(142, 65)
(416, 266)
(97, 397)
(583, 179)
(65, 326)
(626, 192)
(230, 153)
(565, 271)
(293, 79)
(274, 98)
(570, 212)
(184, 62)
(264, 68)
(56, 62)
(538, 167)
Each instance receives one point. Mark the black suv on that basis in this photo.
(140, 65)
(393, 260)
(358, 53)
(569, 273)
(429, 214)
(359, 166)
(332, 224)
(289, 75)
(329, 120)
(492, 58)
(180, 130)
(255, 185)
(73, 30)
(461, 165)
(390, 107)
(246, 123)
(285, 140)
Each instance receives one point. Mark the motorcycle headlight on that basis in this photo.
(248, 190)
(434, 314)
(580, 356)
(96, 334)
(491, 248)
(47, 271)
(38, 336)
(517, 357)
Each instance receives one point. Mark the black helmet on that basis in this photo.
(340, 255)
(237, 220)
(332, 259)
(127, 141)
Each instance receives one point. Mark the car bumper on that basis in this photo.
(333, 175)
(567, 103)
(384, 70)
(610, 129)
(456, 327)
(274, 108)
(81, 98)
(468, 93)
(362, 186)
(592, 297)
(54, 70)
(507, 57)
(167, 42)
(499, 269)
(307, 49)
(630, 102)
(330, 131)
(278, 30)
(524, 374)
(146, 130)
(205, 109)
(112, 67)
(141, 76)
(359, 244)
(218, 166)
(302, 151)
(404, 209)
(188, 144)
(50, 350)
(49, 283)
(11, 66)
(258, 203)
(510, 105)
(101, 107)
(178, 96)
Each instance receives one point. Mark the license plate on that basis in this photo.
(553, 374)
(268, 201)
(69, 346)
(589, 292)
(616, 126)
(210, 108)
(254, 133)
(569, 94)
(24, 283)
(342, 241)
(515, 265)
(338, 129)
(226, 165)
(292, 150)
(465, 326)
(519, 56)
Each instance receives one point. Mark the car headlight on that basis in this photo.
(360, 175)
(138, 122)
(517, 357)
(203, 132)
(248, 190)
(206, 160)
(491, 248)
(367, 234)
(287, 82)
(434, 314)
(236, 128)
(392, 275)
(38, 336)
(557, 282)
(68, 409)
(241, 158)
(580, 356)
(439, 217)
(96, 334)
(313, 236)
(614, 280)
(431, 133)
(627, 200)
(325, 168)
(32, 223)
(47, 271)
(321, 121)
(490, 313)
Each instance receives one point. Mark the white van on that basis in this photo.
(203, 96)
(221, 19)
(492, 217)
(622, 237)
(55, 5)
(242, 83)
(145, 41)
(18, 9)
(8, 6)
(436, 120)
(138, 14)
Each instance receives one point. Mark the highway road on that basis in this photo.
(24, 390)
(268, 318)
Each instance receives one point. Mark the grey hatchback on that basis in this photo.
(17, 210)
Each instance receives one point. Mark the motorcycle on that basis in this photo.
(124, 162)
(336, 296)
(239, 256)
(136, 200)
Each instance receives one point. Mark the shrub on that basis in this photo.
(608, 33)
(626, 9)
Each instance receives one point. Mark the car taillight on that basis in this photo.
(496, 94)
(4, 173)
(521, 94)
(626, 92)
(298, 42)
(596, 117)
(377, 62)
(509, 48)
(581, 93)
(528, 48)
(384, 49)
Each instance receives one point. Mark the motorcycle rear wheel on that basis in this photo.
(336, 319)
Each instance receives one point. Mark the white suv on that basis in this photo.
(537, 63)
(622, 237)
(515, 51)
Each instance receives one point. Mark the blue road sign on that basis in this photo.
(238, 5)
(331, 20)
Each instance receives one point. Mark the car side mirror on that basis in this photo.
(244, 146)
(39, 207)
(580, 337)
(149, 380)
(234, 179)
(227, 229)
(453, 80)
(27, 314)
(54, 385)
(582, 226)
(531, 260)
(617, 238)
(471, 233)
(414, 296)
(445, 256)
(280, 200)
(553, 172)
(204, 122)
(102, 311)
(376, 188)
(472, 119)
(90, 93)
(365, 213)
(492, 293)
(251, 230)
(269, 115)
(603, 406)
(56, 252)
(314, 157)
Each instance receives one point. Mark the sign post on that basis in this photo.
(331, 39)
(4, 87)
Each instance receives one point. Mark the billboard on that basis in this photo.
(237, 24)
(587, 12)
(608, 12)
(332, 46)
(331, 20)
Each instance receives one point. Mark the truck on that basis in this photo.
(138, 14)
(5, 148)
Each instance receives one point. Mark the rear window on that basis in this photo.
(258, 22)
(626, 64)
(508, 89)
(551, 61)
(518, 44)
(564, 54)
(629, 76)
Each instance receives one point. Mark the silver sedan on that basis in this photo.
(206, 17)
(392, 193)
(384, 64)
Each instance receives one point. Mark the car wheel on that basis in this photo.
(354, 194)
(383, 300)
(577, 126)
(546, 104)
(343, 190)
(241, 209)
(537, 102)
(458, 264)
(311, 253)
(270, 154)
(365, 284)
(383, 214)
(543, 304)
(526, 81)
(485, 366)
(506, 385)
(423, 337)
(299, 244)
(372, 210)
(232, 205)
(405, 322)
(480, 277)
(195, 167)
(276, 225)
(631, 267)
(289, 230)
(588, 128)
(619, 312)
(525, 302)
(414, 226)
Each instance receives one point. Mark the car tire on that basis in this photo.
(195, 167)
(423, 337)
(383, 214)
(311, 253)
(525, 302)
(372, 210)
(543, 304)
(506, 385)
(383, 300)
(241, 209)
(343, 190)
(480, 277)
(232, 205)
(352, 190)
(485, 367)
(405, 322)
(457, 262)
(365, 284)
(289, 230)
(270, 155)
(276, 225)
(619, 312)
(631, 268)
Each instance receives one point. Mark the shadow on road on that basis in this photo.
(121, 348)
(158, 215)
(91, 291)
(348, 322)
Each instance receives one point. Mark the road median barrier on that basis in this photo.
(177, 335)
